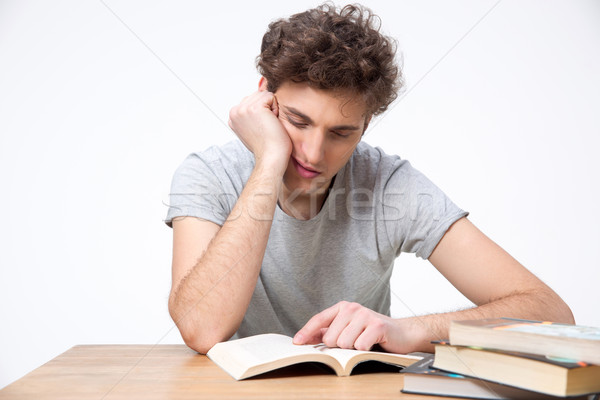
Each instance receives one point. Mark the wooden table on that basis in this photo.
(175, 372)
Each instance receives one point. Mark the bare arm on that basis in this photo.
(485, 273)
(209, 302)
(215, 269)
(492, 279)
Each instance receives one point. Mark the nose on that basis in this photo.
(313, 147)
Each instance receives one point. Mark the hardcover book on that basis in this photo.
(422, 378)
(576, 342)
(557, 377)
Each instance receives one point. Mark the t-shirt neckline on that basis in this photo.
(337, 182)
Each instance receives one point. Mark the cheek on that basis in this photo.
(296, 146)
(294, 134)
(290, 129)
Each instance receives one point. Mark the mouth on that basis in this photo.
(304, 171)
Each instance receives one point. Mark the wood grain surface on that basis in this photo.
(114, 372)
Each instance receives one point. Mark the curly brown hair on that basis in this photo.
(330, 50)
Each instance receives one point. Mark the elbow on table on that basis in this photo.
(202, 339)
(200, 343)
(198, 335)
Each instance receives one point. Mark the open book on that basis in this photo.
(253, 355)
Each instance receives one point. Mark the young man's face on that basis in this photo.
(324, 127)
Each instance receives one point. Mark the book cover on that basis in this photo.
(557, 377)
(551, 339)
(422, 378)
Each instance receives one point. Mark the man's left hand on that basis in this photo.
(352, 326)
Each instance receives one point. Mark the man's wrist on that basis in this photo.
(271, 166)
(416, 334)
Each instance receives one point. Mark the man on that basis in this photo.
(295, 227)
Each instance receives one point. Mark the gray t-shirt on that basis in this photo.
(378, 207)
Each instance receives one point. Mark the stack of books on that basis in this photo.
(511, 359)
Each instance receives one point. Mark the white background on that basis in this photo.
(98, 108)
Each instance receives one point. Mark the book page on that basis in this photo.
(268, 347)
(249, 356)
(559, 330)
(253, 355)
(350, 356)
(342, 355)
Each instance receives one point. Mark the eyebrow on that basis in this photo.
(305, 117)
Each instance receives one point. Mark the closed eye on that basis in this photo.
(297, 124)
(340, 134)
(302, 125)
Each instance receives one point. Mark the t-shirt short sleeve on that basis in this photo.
(417, 213)
(197, 192)
(207, 184)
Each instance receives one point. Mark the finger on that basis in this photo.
(323, 332)
(316, 339)
(348, 336)
(275, 106)
(348, 312)
(372, 335)
(311, 331)
(340, 323)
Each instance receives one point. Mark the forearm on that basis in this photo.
(541, 304)
(210, 302)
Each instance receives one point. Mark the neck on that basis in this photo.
(303, 206)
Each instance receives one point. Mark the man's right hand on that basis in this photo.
(215, 268)
(255, 121)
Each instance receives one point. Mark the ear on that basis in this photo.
(262, 84)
